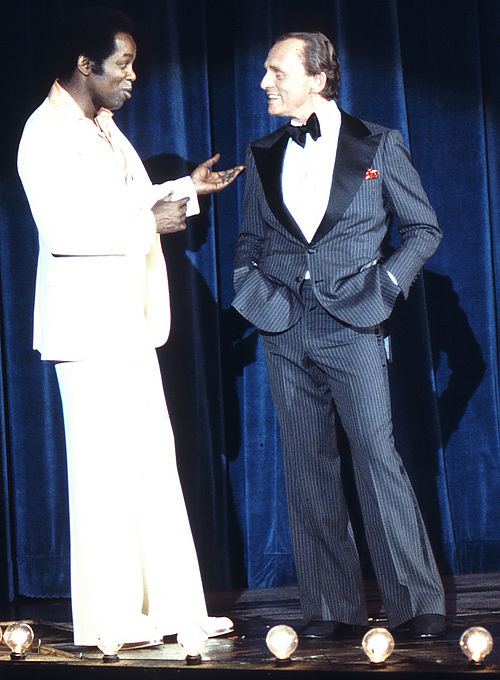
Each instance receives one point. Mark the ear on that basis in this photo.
(319, 80)
(85, 65)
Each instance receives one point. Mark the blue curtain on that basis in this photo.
(429, 69)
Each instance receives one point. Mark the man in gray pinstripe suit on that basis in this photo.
(320, 195)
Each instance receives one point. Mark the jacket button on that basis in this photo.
(311, 251)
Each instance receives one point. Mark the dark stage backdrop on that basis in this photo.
(428, 68)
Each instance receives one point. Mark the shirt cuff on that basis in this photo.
(177, 189)
(392, 277)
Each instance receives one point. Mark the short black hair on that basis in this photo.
(318, 55)
(88, 31)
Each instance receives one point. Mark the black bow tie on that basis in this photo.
(298, 132)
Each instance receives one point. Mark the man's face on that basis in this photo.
(289, 88)
(113, 85)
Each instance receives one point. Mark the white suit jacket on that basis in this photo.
(101, 276)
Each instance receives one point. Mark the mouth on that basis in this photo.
(127, 93)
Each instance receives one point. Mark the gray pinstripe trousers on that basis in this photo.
(317, 367)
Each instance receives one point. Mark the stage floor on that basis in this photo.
(471, 600)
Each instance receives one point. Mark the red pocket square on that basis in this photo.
(371, 174)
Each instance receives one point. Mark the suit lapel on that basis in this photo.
(268, 154)
(355, 151)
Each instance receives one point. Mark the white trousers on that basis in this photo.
(133, 561)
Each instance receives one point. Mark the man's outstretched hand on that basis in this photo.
(208, 182)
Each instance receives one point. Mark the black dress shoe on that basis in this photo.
(331, 630)
(425, 626)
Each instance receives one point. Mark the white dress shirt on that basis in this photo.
(307, 172)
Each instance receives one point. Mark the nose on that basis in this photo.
(131, 74)
(266, 81)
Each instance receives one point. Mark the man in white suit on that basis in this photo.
(101, 308)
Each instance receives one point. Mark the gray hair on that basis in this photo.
(318, 55)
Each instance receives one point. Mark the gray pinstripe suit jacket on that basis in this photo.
(272, 255)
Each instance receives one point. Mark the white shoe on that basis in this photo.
(138, 632)
(217, 625)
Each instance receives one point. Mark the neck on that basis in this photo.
(317, 104)
(76, 88)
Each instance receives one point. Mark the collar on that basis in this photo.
(329, 118)
(64, 104)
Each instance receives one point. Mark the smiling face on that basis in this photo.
(111, 85)
(290, 90)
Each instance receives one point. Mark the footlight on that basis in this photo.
(282, 641)
(476, 643)
(109, 646)
(378, 645)
(193, 641)
(18, 636)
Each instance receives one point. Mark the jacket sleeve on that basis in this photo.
(77, 193)
(249, 280)
(263, 302)
(406, 199)
(252, 234)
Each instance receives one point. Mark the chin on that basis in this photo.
(274, 111)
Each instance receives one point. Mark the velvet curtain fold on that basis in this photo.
(429, 69)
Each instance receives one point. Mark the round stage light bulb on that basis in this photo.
(282, 641)
(18, 636)
(192, 640)
(378, 644)
(476, 643)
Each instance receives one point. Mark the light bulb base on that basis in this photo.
(110, 658)
(476, 664)
(282, 662)
(378, 664)
(17, 656)
(193, 660)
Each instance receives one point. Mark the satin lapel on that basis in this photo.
(269, 161)
(355, 151)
